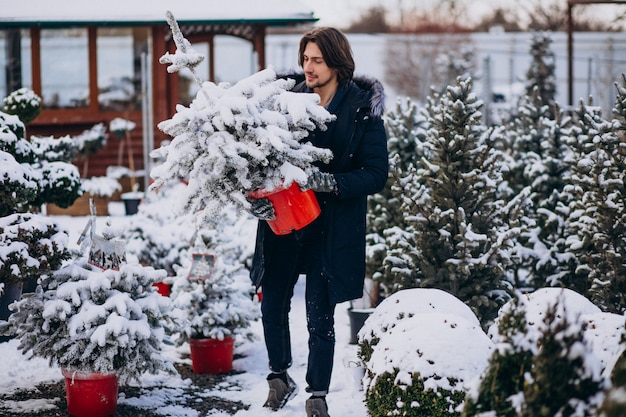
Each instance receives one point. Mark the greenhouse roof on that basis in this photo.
(58, 13)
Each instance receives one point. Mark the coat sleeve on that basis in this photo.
(369, 162)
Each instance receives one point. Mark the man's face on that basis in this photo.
(317, 73)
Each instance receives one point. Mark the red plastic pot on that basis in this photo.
(90, 394)
(211, 356)
(293, 207)
(163, 288)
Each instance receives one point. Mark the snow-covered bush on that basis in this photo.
(420, 349)
(565, 378)
(502, 384)
(23, 103)
(218, 307)
(83, 318)
(552, 348)
(30, 246)
(234, 139)
(54, 181)
(160, 238)
(100, 186)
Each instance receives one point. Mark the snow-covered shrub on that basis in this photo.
(18, 188)
(420, 349)
(218, 307)
(614, 403)
(83, 318)
(55, 181)
(23, 103)
(31, 246)
(234, 139)
(59, 184)
(157, 237)
(502, 384)
(565, 378)
(552, 346)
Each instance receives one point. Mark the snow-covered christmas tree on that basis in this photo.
(406, 129)
(463, 218)
(219, 304)
(596, 225)
(541, 73)
(540, 159)
(86, 319)
(235, 139)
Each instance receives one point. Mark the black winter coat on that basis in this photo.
(360, 165)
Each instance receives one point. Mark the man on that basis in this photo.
(331, 250)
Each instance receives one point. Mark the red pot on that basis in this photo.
(294, 208)
(90, 394)
(211, 356)
(163, 288)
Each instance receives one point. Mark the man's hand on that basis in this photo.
(262, 208)
(322, 182)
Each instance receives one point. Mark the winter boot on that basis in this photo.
(282, 389)
(316, 407)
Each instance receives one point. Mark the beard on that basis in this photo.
(317, 82)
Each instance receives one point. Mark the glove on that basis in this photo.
(323, 182)
(262, 208)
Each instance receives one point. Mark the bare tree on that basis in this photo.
(552, 16)
(447, 16)
(373, 20)
(507, 19)
(417, 64)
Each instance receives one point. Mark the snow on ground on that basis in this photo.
(249, 386)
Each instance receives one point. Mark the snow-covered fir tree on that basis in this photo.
(83, 318)
(221, 304)
(539, 160)
(235, 139)
(596, 225)
(405, 126)
(452, 65)
(463, 219)
(160, 238)
(541, 73)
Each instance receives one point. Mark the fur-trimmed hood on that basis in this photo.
(370, 86)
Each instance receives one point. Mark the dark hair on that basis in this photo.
(335, 50)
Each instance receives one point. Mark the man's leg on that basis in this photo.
(278, 284)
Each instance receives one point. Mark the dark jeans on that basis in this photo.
(299, 252)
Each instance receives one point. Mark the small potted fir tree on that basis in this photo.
(100, 326)
(214, 299)
(238, 141)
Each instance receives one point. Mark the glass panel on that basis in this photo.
(64, 68)
(188, 86)
(234, 60)
(119, 67)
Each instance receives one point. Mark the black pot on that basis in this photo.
(131, 205)
(357, 320)
(12, 292)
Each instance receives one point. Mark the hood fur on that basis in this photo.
(370, 86)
